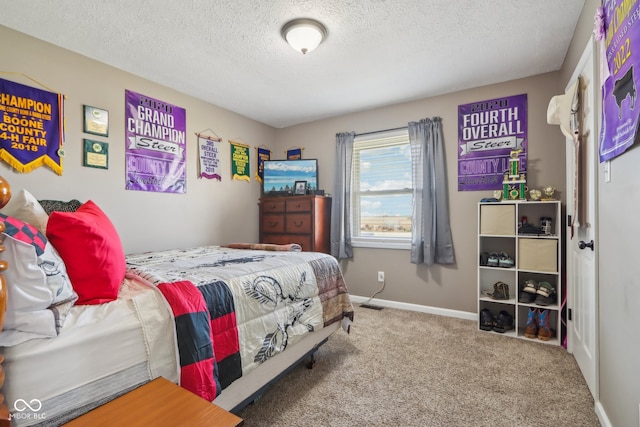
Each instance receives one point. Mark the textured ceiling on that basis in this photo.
(377, 52)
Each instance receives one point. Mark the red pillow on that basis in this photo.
(92, 251)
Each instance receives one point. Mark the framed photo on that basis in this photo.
(96, 121)
(300, 188)
(96, 154)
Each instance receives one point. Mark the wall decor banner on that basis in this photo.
(620, 113)
(31, 127)
(240, 161)
(156, 141)
(209, 149)
(294, 153)
(263, 154)
(488, 131)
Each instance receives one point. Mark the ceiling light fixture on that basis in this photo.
(303, 34)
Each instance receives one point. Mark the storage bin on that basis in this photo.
(496, 219)
(538, 255)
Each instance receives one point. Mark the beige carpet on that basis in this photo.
(401, 368)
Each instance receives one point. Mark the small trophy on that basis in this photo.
(549, 193)
(514, 183)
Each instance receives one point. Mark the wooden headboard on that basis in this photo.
(5, 195)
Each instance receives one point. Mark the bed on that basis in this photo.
(224, 322)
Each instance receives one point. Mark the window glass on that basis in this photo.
(381, 188)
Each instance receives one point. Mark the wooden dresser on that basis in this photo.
(305, 220)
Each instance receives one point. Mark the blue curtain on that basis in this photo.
(431, 241)
(340, 221)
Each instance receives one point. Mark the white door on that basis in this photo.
(582, 247)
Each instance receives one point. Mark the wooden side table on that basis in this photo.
(159, 402)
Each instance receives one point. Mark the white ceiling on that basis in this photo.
(377, 52)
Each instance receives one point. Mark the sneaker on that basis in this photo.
(530, 286)
(504, 322)
(486, 320)
(505, 261)
(531, 329)
(493, 259)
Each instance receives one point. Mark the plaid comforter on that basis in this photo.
(236, 308)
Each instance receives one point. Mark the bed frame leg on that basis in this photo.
(311, 361)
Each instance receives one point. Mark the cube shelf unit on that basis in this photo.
(536, 257)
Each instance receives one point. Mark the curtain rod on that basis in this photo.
(380, 131)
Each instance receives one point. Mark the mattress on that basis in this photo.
(63, 377)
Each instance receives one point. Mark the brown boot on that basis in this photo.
(531, 329)
(544, 326)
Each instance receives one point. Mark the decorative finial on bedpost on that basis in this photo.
(5, 192)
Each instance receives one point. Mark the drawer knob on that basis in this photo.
(273, 223)
(298, 223)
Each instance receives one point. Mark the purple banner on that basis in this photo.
(487, 133)
(156, 141)
(31, 127)
(619, 112)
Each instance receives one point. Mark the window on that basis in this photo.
(381, 204)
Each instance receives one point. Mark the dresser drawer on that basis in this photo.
(273, 223)
(269, 206)
(299, 205)
(299, 223)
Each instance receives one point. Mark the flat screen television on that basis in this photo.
(280, 176)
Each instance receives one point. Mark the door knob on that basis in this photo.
(582, 244)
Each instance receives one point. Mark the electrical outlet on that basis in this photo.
(380, 276)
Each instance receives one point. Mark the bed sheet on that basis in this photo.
(102, 351)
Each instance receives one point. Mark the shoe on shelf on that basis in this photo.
(526, 297)
(484, 258)
(545, 295)
(486, 320)
(504, 322)
(493, 259)
(544, 301)
(545, 289)
(505, 260)
(531, 328)
(500, 291)
(544, 326)
(530, 286)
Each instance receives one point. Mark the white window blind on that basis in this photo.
(381, 187)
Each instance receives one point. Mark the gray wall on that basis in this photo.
(619, 270)
(448, 287)
(210, 212)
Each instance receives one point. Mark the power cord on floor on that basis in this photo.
(366, 303)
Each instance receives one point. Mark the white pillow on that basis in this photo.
(24, 206)
(37, 285)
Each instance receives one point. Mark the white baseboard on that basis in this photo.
(415, 307)
(602, 415)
